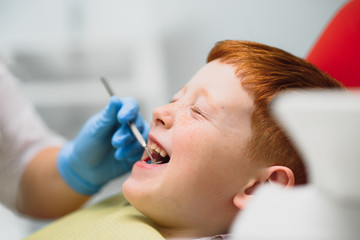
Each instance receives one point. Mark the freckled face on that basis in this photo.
(203, 130)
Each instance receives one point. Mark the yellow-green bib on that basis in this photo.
(113, 218)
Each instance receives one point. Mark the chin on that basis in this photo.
(145, 203)
(135, 193)
(128, 191)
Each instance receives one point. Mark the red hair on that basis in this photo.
(264, 72)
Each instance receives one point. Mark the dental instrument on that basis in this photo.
(132, 125)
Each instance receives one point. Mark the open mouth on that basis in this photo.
(158, 153)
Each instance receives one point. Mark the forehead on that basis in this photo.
(218, 83)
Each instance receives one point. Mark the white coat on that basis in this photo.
(22, 135)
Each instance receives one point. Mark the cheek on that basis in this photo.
(192, 149)
(201, 154)
(194, 141)
(199, 140)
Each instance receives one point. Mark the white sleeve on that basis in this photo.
(23, 134)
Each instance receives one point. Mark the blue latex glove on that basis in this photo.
(104, 148)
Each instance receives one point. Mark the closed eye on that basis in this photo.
(196, 110)
(173, 100)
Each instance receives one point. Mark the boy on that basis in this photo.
(216, 142)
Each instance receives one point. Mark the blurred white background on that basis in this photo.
(147, 49)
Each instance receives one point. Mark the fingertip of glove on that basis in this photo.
(113, 106)
(128, 110)
(121, 137)
(118, 155)
(115, 100)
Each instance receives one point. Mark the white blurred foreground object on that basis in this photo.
(325, 128)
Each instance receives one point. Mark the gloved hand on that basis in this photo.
(90, 160)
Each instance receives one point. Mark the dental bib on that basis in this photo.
(325, 128)
(113, 218)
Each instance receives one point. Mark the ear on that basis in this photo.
(280, 175)
(242, 197)
(275, 175)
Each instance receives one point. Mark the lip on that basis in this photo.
(143, 165)
(145, 171)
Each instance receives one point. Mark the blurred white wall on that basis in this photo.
(147, 49)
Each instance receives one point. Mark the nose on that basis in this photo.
(162, 116)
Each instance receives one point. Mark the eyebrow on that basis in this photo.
(181, 90)
(203, 92)
(209, 100)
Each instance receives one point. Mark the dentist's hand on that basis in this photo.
(104, 148)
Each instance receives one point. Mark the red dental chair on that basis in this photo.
(337, 50)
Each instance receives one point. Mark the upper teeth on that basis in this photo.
(158, 149)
